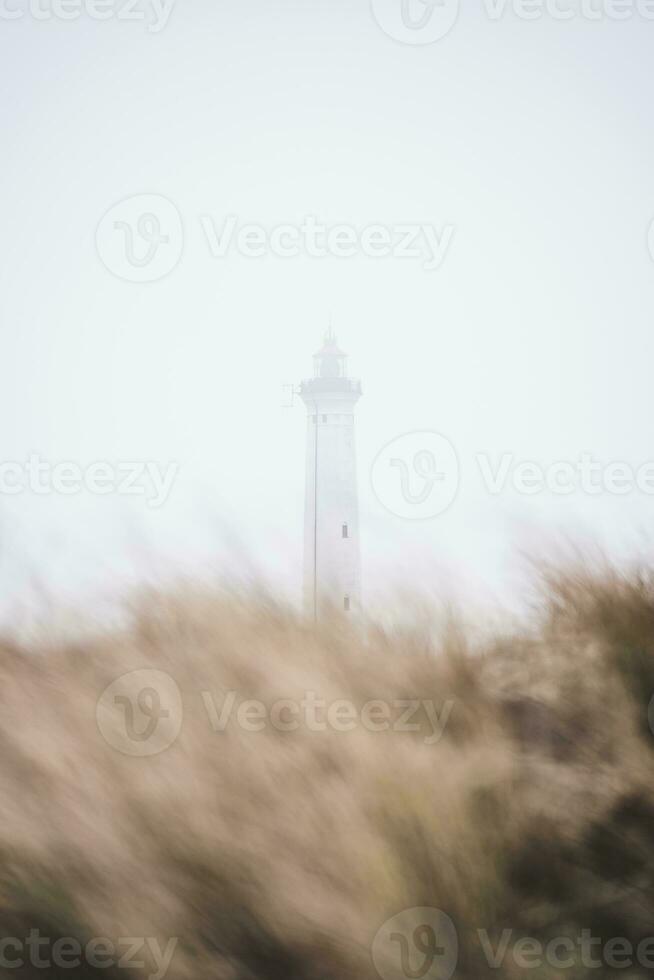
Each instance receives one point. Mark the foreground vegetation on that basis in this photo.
(504, 780)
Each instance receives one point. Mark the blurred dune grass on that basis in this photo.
(278, 855)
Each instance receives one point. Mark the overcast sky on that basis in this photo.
(521, 329)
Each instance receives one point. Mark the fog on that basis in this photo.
(482, 203)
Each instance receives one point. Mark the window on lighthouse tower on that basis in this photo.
(345, 532)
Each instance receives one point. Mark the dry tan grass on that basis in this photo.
(278, 855)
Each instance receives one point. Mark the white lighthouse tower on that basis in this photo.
(332, 560)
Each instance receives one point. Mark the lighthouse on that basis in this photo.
(332, 559)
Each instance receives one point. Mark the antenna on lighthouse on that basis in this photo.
(292, 390)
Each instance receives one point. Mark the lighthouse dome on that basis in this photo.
(329, 361)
